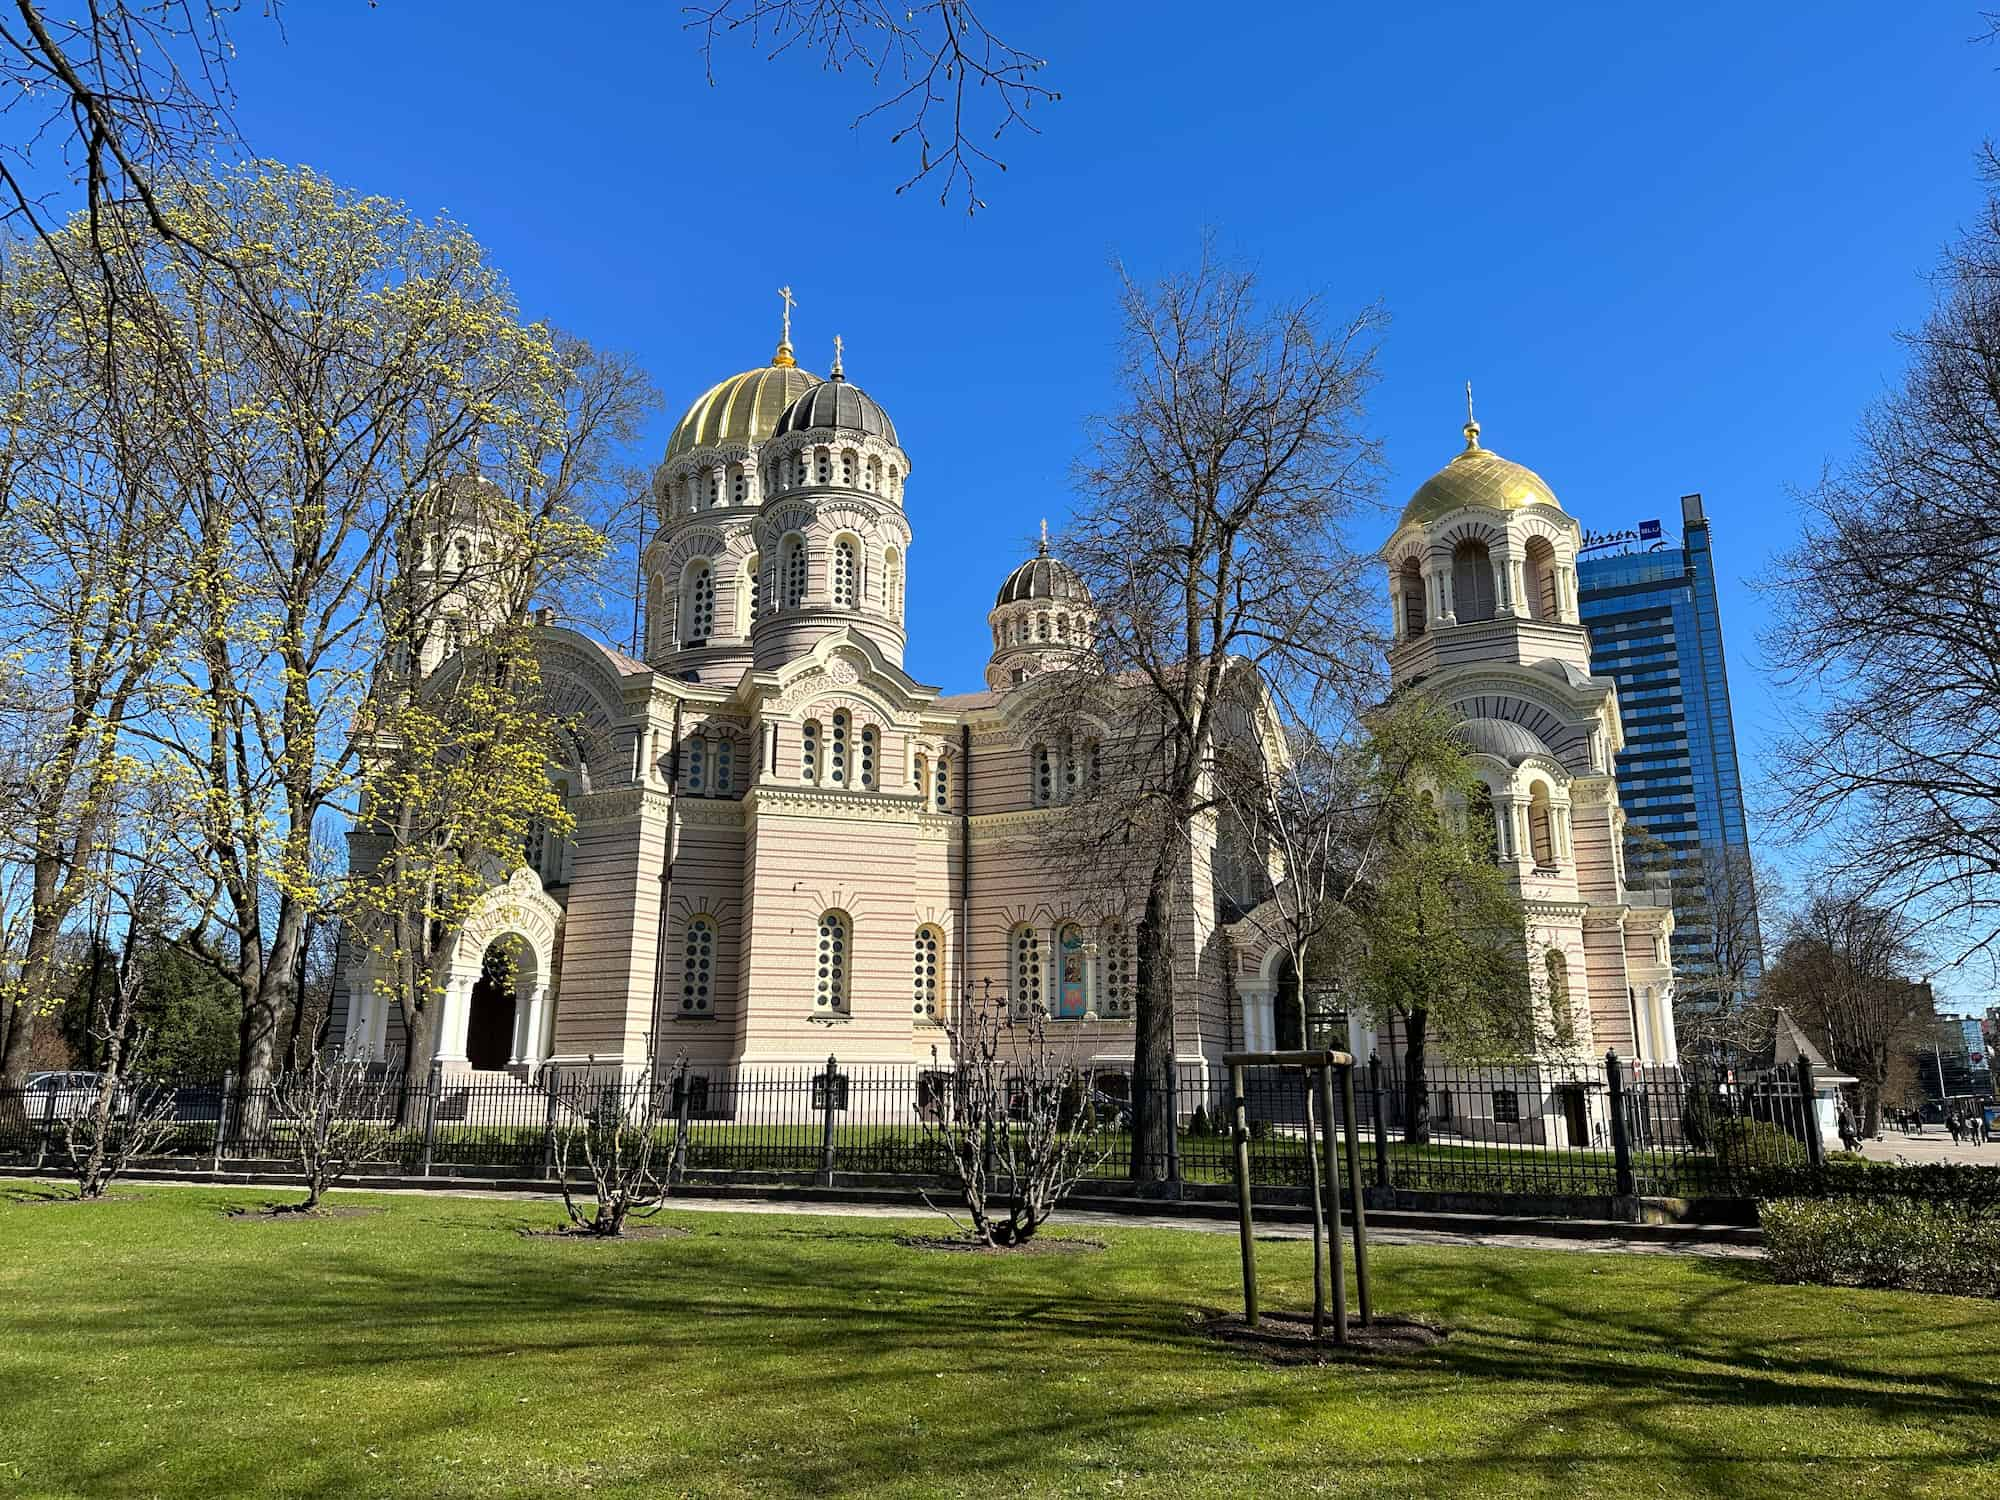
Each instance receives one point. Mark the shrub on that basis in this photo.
(1914, 1246)
(1745, 1145)
(1198, 1125)
(1960, 1185)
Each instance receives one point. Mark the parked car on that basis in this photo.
(68, 1096)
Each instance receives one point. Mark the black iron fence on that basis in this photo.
(1533, 1129)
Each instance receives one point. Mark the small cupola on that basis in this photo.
(1042, 617)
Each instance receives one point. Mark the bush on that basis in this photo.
(1959, 1185)
(1746, 1145)
(1917, 1247)
(1199, 1125)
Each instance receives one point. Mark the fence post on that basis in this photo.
(1380, 1110)
(1621, 1139)
(222, 1118)
(1809, 1113)
(551, 1080)
(826, 1123)
(434, 1093)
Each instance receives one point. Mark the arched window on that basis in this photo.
(1471, 582)
(739, 485)
(725, 766)
(1115, 1002)
(830, 986)
(1541, 826)
(843, 573)
(1069, 770)
(941, 786)
(872, 480)
(714, 490)
(700, 623)
(795, 571)
(822, 466)
(748, 586)
(895, 482)
(694, 771)
(1072, 974)
(809, 752)
(1093, 762)
(1561, 1016)
(1041, 627)
(864, 764)
(892, 584)
(924, 977)
(836, 751)
(1042, 774)
(921, 779)
(1543, 603)
(534, 844)
(698, 966)
(1026, 944)
(1412, 580)
(847, 468)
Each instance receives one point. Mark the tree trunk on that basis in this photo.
(1153, 1154)
(36, 965)
(1871, 1111)
(1416, 1079)
(420, 1043)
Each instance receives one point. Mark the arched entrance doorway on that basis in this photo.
(490, 1018)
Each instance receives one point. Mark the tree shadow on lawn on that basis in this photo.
(739, 1301)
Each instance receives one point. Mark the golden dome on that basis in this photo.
(1478, 476)
(742, 409)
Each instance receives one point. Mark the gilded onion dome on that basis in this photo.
(1478, 476)
(745, 408)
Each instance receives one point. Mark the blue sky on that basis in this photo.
(1669, 246)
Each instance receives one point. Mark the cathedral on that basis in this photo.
(785, 846)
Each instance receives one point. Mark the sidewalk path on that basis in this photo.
(1068, 1218)
(1935, 1144)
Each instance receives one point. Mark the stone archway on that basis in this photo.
(492, 1014)
(498, 1008)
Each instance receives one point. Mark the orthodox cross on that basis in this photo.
(1468, 401)
(786, 293)
(837, 346)
(1045, 536)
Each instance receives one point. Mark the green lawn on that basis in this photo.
(152, 1346)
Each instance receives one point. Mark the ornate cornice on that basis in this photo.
(711, 812)
(775, 799)
(620, 803)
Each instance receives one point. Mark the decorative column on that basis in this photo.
(528, 1025)
(1260, 1021)
(455, 1017)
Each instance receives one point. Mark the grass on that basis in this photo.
(153, 1346)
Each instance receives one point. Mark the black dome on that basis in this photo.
(1042, 577)
(836, 403)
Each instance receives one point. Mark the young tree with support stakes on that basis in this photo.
(1211, 530)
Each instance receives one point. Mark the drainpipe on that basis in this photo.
(666, 879)
(964, 859)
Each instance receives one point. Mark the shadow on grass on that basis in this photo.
(843, 1322)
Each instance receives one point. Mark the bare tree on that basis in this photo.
(627, 1136)
(127, 1118)
(1718, 1010)
(1017, 1115)
(1888, 625)
(115, 98)
(1844, 972)
(94, 566)
(342, 1110)
(946, 78)
(1212, 533)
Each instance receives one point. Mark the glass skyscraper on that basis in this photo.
(1656, 629)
